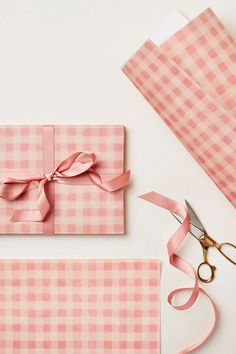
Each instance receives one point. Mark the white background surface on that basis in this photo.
(60, 63)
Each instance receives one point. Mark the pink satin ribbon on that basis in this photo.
(67, 171)
(172, 246)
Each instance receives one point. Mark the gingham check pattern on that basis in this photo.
(190, 81)
(206, 51)
(79, 306)
(82, 209)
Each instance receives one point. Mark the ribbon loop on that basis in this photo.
(73, 166)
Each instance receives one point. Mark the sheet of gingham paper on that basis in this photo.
(190, 81)
(207, 52)
(79, 306)
(79, 209)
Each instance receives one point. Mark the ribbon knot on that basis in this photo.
(67, 171)
(49, 176)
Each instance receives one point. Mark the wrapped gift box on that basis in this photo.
(77, 205)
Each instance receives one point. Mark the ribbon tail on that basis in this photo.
(12, 191)
(34, 214)
(111, 185)
(212, 328)
(179, 263)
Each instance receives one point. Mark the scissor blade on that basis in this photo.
(193, 230)
(194, 219)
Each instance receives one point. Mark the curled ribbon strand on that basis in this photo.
(72, 167)
(172, 246)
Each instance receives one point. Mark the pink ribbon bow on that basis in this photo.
(67, 171)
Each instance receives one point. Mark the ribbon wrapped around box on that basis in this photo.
(190, 80)
(50, 184)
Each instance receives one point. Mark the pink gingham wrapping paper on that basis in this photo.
(190, 80)
(207, 51)
(79, 306)
(79, 209)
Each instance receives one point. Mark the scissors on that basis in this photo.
(198, 231)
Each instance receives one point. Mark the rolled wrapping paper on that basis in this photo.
(190, 80)
(207, 51)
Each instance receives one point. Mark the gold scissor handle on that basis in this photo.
(206, 242)
(205, 264)
(223, 245)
